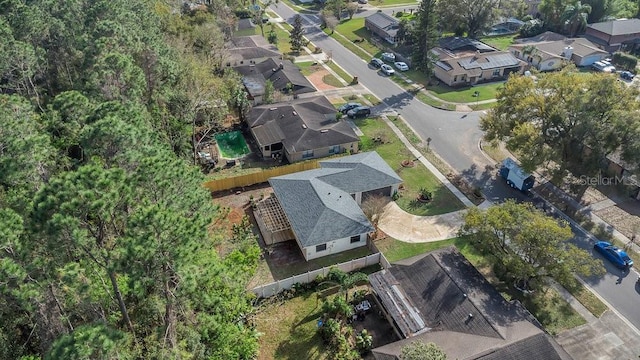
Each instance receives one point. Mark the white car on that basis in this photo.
(388, 56)
(387, 70)
(401, 66)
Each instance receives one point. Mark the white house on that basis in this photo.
(322, 206)
(551, 55)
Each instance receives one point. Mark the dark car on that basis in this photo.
(627, 75)
(348, 106)
(614, 254)
(376, 63)
(360, 111)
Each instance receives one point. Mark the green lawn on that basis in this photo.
(485, 106)
(354, 29)
(499, 42)
(247, 32)
(289, 330)
(465, 94)
(329, 79)
(392, 3)
(343, 74)
(393, 151)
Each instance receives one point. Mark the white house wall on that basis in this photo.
(590, 59)
(334, 247)
(550, 64)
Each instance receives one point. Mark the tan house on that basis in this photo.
(383, 25)
(552, 55)
(301, 129)
(465, 61)
(615, 35)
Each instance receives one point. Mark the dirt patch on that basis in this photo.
(316, 78)
(240, 197)
(620, 220)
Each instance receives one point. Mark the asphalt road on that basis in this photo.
(455, 136)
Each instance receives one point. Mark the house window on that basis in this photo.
(307, 154)
(355, 239)
(463, 78)
(496, 72)
(335, 149)
(321, 247)
(455, 78)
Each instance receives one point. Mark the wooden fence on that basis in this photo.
(259, 177)
(276, 287)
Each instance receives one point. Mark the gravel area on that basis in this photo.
(620, 219)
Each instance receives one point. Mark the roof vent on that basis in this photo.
(274, 108)
(295, 113)
(324, 131)
(304, 126)
(470, 316)
(464, 295)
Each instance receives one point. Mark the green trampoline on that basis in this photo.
(231, 145)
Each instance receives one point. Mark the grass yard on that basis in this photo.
(393, 151)
(392, 3)
(247, 32)
(485, 106)
(343, 74)
(289, 330)
(352, 30)
(372, 99)
(465, 94)
(499, 42)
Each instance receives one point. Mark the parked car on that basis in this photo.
(401, 66)
(363, 1)
(603, 66)
(627, 75)
(376, 63)
(348, 106)
(360, 111)
(391, 57)
(614, 254)
(387, 70)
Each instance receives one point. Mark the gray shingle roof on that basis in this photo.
(281, 73)
(444, 289)
(321, 209)
(618, 27)
(385, 22)
(306, 124)
(581, 47)
(246, 48)
(370, 172)
(455, 43)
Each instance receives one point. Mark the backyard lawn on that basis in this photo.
(499, 42)
(289, 330)
(379, 137)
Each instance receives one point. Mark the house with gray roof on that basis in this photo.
(615, 35)
(283, 75)
(300, 129)
(383, 25)
(321, 207)
(246, 50)
(440, 297)
(464, 61)
(552, 55)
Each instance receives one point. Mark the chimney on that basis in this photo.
(281, 66)
(567, 52)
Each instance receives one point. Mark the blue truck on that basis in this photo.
(515, 176)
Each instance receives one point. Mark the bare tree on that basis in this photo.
(352, 9)
(373, 207)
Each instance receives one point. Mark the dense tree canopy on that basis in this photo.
(528, 244)
(566, 118)
(468, 16)
(106, 251)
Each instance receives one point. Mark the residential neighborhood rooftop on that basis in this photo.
(617, 27)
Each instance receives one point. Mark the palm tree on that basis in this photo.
(345, 280)
(574, 17)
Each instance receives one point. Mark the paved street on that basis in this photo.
(455, 137)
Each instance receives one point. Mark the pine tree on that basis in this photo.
(296, 38)
(425, 35)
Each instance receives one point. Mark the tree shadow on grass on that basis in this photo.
(303, 342)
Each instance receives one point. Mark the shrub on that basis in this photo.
(426, 194)
(242, 14)
(272, 37)
(364, 341)
(330, 331)
(399, 14)
(625, 61)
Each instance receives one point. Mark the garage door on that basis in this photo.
(589, 60)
